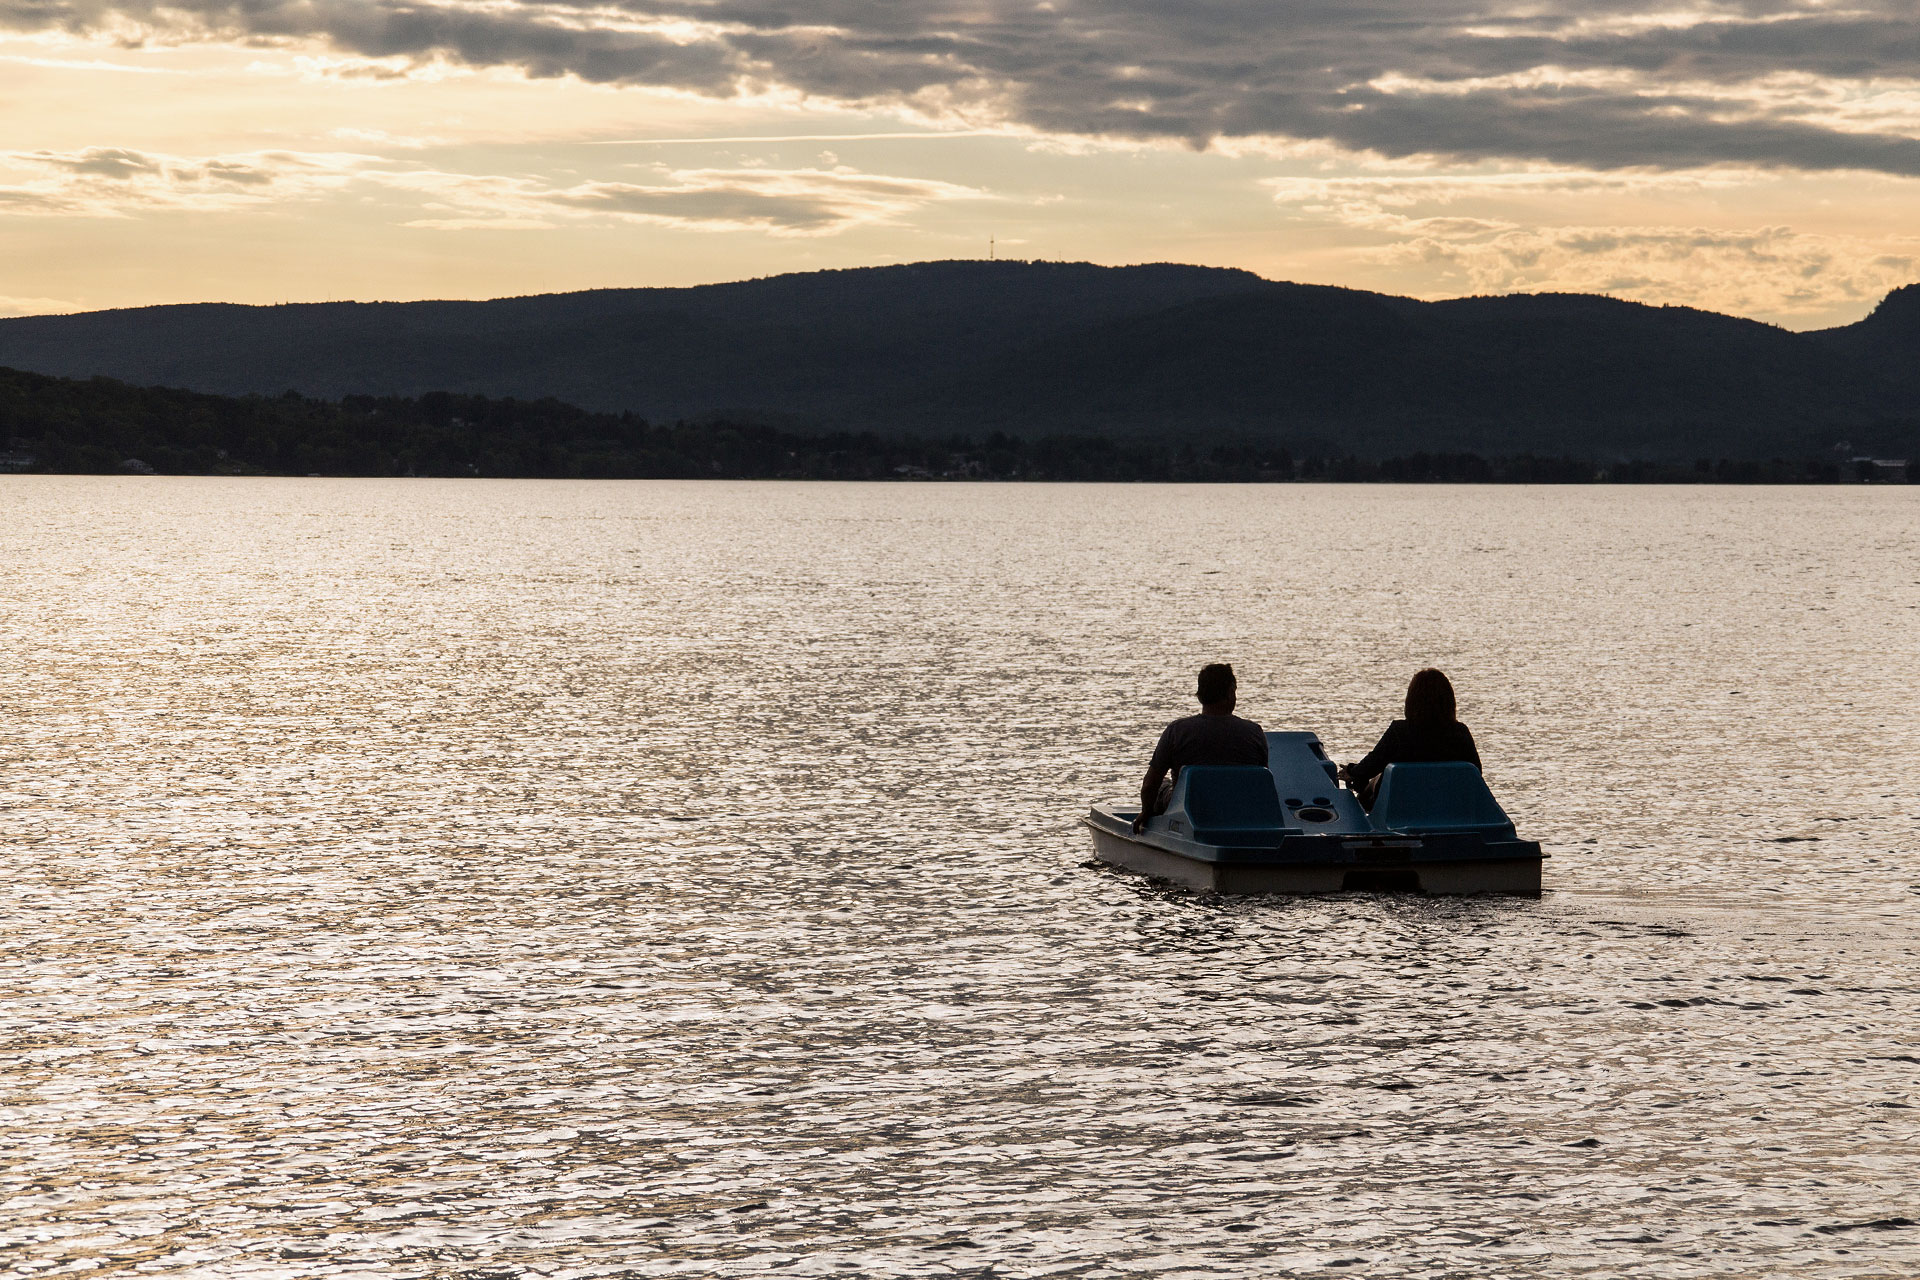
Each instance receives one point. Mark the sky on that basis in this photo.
(1757, 157)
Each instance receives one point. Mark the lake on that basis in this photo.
(515, 878)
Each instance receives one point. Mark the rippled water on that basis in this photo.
(489, 879)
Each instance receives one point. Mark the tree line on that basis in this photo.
(102, 426)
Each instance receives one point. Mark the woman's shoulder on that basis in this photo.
(1393, 738)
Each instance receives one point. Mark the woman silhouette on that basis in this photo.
(1430, 734)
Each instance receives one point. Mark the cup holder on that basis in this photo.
(1314, 813)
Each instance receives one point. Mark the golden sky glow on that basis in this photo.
(1762, 159)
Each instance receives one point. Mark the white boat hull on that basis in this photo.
(1515, 876)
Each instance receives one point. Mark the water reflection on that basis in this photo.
(498, 879)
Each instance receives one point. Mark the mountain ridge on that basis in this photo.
(1034, 349)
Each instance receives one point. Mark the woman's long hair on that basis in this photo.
(1430, 698)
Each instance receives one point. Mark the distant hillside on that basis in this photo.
(1888, 341)
(1041, 349)
(815, 346)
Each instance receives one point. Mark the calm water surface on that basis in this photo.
(498, 879)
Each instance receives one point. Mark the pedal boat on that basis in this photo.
(1292, 828)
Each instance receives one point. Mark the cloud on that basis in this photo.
(119, 182)
(86, 64)
(1799, 84)
(113, 182)
(1422, 232)
(1773, 270)
(36, 306)
(104, 162)
(380, 137)
(791, 202)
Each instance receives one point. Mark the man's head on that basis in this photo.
(1217, 686)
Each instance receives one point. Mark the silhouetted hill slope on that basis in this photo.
(1888, 340)
(813, 346)
(1052, 348)
(1325, 369)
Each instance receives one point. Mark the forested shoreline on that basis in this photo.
(99, 426)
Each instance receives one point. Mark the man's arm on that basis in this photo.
(1149, 796)
(1157, 769)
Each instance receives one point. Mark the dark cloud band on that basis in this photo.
(1605, 85)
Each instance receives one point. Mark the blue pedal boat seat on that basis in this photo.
(1225, 805)
(1439, 799)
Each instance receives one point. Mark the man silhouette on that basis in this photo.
(1215, 736)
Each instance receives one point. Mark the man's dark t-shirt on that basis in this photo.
(1207, 739)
